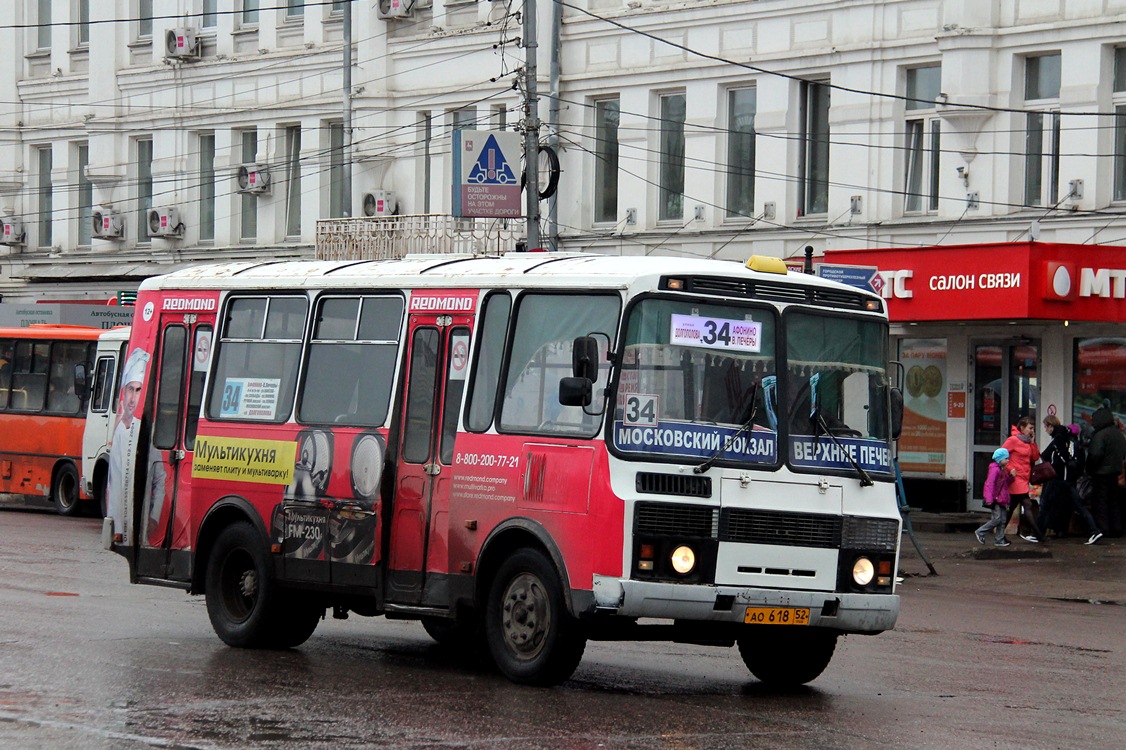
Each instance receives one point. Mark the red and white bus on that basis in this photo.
(41, 414)
(523, 452)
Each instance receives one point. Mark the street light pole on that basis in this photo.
(531, 127)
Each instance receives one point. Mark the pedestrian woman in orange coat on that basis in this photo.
(1023, 453)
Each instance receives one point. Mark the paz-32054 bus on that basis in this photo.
(523, 452)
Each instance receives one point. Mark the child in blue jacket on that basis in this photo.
(996, 493)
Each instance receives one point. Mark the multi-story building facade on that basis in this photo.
(718, 128)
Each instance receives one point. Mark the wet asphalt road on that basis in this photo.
(988, 654)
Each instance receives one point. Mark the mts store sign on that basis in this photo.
(1000, 281)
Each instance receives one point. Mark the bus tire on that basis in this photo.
(788, 656)
(241, 593)
(100, 499)
(531, 637)
(297, 623)
(64, 490)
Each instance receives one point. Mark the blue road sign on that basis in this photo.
(861, 277)
(491, 167)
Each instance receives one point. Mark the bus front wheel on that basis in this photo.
(246, 606)
(531, 637)
(787, 656)
(64, 490)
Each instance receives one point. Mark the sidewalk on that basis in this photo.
(1064, 569)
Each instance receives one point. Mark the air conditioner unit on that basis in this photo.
(108, 224)
(253, 178)
(380, 203)
(394, 9)
(13, 233)
(165, 222)
(182, 44)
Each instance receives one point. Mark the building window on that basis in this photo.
(83, 23)
(1042, 130)
(294, 9)
(741, 105)
(45, 164)
(85, 196)
(1120, 124)
(293, 181)
(336, 207)
(464, 119)
(499, 118)
(671, 201)
(249, 13)
(208, 18)
(207, 186)
(144, 187)
(248, 216)
(426, 142)
(813, 154)
(923, 132)
(43, 25)
(144, 16)
(607, 115)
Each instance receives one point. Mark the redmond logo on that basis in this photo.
(182, 304)
(452, 303)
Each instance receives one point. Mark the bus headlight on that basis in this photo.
(862, 571)
(683, 559)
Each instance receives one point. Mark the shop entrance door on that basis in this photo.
(1006, 387)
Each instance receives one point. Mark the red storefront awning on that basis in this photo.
(997, 281)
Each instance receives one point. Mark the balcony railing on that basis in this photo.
(370, 238)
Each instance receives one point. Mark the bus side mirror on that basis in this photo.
(81, 384)
(576, 391)
(896, 413)
(584, 358)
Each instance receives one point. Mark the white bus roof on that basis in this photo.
(547, 270)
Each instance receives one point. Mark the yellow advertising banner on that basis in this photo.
(244, 460)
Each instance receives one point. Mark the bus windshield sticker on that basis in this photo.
(642, 409)
(820, 452)
(459, 356)
(716, 333)
(250, 398)
(690, 440)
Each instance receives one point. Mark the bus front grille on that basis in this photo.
(673, 484)
(658, 519)
(778, 527)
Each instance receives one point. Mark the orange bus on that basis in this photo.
(41, 414)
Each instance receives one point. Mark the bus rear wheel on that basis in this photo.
(246, 606)
(531, 637)
(64, 491)
(787, 656)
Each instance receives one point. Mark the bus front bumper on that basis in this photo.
(849, 613)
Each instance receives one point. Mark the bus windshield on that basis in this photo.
(836, 392)
(698, 380)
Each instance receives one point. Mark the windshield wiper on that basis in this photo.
(819, 421)
(707, 464)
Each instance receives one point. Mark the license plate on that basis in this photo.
(777, 616)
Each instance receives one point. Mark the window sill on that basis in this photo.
(140, 43)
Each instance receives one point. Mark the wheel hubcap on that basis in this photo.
(527, 616)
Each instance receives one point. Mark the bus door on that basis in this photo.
(437, 363)
(183, 353)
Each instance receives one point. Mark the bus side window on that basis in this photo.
(102, 392)
(7, 353)
(29, 375)
(489, 363)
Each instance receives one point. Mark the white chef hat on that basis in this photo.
(134, 371)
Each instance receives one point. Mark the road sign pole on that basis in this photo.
(531, 127)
